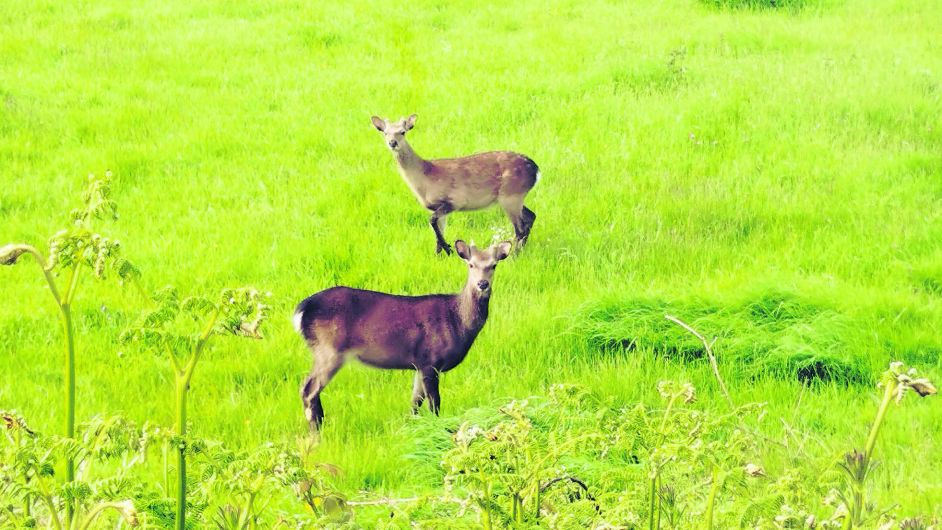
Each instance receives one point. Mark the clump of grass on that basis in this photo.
(772, 333)
(612, 325)
(927, 275)
(655, 75)
(763, 4)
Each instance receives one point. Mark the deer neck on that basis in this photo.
(411, 167)
(472, 308)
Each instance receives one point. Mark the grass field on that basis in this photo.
(772, 176)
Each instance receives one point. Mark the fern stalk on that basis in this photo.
(182, 386)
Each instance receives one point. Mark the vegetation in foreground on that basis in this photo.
(567, 461)
(771, 176)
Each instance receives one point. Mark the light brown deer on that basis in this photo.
(461, 184)
(429, 334)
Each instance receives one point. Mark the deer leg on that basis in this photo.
(438, 226)
(430, 382)
(326, 363)
(418, 392)
(513, 207)
(528, 219)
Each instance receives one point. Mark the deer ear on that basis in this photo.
(379, 123)
(464, 252)
(410, 122)
(502, 250)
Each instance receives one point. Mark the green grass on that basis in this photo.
(772, 175)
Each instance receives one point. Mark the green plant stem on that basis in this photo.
(96, 512)
(181, 453)
(244, 518)
(714, 489)
(855, 510)
(667, 413)
(654, 510)
(513, 507)
(27, 508)
(881, 413)
(46, 497)
(517, 508)
(176, 372)
(47, 272)
(69, 384)
(64, 305)
(65, 309)
(653, 506)
(485, 509)
(166, 467)
(857, 497)
(69, 401)
(536, 495)
(657, 522)
(182, 386)
(53, 515)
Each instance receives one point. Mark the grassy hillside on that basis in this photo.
(772, 176)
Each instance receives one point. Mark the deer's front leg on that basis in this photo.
(418, 392)
(437, 220)
(430, 382)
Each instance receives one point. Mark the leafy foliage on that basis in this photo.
(172, 326)
(31, 491)
(79, 244)
(681, 466)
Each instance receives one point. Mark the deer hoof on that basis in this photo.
(443, 248)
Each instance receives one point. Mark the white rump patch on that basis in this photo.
(536, 179)
(296, 319)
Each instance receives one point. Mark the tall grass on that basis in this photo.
(770, 176)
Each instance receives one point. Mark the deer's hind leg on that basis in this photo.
(327, 361)
(528, 219)
(520, 216)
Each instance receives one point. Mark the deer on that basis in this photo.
(430, 334)
(463, 184)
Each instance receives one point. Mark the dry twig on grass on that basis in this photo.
(708, 346)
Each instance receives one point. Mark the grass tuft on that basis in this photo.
(794, 5)
(774, 333)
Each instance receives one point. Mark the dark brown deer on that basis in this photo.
(429, 334)
(461, 184)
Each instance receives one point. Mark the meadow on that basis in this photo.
(772, 176)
